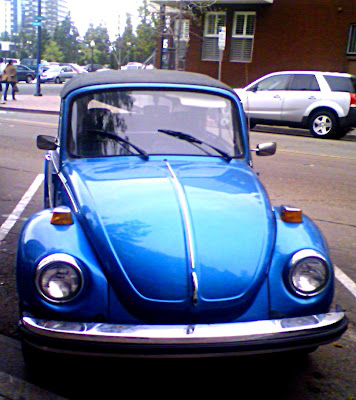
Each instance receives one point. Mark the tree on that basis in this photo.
(101, 38)
(146, 34)
(128, 41)
(52, 52)
(66, 36)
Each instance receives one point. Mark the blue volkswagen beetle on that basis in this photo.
(156, 236)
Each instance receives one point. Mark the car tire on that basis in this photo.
(57, 80)
(29, 79)
(323, 124)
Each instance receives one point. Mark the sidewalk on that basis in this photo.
(30, 103)
(13, 384)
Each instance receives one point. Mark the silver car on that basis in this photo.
(57, 74)
(322, 102)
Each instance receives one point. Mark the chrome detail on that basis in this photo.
(69, 191)
(195, 287)
(298, 257)
(52, 259)
(182, 334)
(188, 231)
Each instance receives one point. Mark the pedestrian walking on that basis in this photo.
(9, 77)
(2, 67)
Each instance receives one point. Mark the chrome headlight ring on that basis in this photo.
(309, 273)
(59, 278)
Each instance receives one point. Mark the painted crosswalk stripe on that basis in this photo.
(16, 213)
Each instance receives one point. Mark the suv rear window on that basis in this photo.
(341, 84)
(304, 82)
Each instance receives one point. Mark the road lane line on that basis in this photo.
(345, 280)
(29, 122)
(16, 213)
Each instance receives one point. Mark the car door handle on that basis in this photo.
(277, 96)
(312, 98)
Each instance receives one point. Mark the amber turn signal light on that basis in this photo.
(61, 216)
(291, 214)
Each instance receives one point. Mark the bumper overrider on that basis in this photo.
(256, 337)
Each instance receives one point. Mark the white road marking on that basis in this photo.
(15, 215)
(345, 280)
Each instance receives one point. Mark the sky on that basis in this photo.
(106, 12)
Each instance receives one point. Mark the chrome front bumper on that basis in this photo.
(242, 337)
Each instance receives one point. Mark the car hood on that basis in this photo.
(177, 238)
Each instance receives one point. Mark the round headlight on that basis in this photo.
(309, 272)
(59, 278)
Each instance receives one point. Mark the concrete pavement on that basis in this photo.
(13, 382)
(30, 103)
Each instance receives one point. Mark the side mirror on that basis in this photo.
(265, 149)
(45, 142)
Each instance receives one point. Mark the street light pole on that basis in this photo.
(92, 44)
(39, 22)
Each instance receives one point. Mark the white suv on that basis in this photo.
(324, 102)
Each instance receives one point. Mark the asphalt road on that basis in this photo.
(317, 175)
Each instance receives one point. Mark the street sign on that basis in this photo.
(39, 18)
(36, 23)
(222, 38)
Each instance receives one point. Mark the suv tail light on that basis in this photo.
(352, 99)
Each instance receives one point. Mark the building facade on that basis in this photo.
(23, 13)
(263, 36)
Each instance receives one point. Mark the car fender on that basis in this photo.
(340, 107)
(284, 302)
(38, 239)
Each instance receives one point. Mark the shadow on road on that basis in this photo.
(277, 377)
(350, 137)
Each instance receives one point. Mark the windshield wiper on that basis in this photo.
(120, 139)
(192, 139)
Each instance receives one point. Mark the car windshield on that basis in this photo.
(141, 122)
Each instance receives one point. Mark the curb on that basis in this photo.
(29, 110)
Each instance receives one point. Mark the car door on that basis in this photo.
(66, 72)
(20, 73)
(303, 90)
(265, 99)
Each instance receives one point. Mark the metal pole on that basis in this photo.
(220, 63)
(39, 20)
(179, 34)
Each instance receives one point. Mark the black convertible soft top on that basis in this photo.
(140, 76)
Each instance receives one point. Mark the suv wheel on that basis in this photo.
(323, 124)
(28, 79)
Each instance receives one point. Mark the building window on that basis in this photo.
(243, 32)
(351, 43)
(212, 24)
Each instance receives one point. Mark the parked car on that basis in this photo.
(93, 67)
(24, 73)
(323, 102)
(57, 74)
(157, 237)
(132, 65)
(77, 68)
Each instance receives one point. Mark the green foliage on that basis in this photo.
(66, 36)
(101, 39)
(52, 52)
(66, 45)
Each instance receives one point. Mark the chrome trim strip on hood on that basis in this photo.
(237, 332)
(188, 231)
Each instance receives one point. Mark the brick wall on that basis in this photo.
(290, 34)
